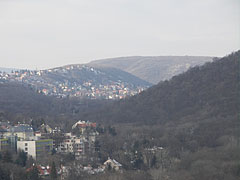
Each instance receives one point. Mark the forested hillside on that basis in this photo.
(204, 91)
(194, 117)
(19, 102)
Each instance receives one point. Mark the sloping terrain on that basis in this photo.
(206, 90)
(103, 75)
(153, 68)
(21, 103)
(80, 81)
(193, 118)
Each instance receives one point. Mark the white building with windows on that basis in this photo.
(72, 144)
(36, 148)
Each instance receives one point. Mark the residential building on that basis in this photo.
(72, 144)
(22, 131)
(36, 148)
(112, 164)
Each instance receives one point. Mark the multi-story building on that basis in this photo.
(36, 148)
(72, 144)
(81, 146)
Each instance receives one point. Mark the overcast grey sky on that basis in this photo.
(48, 33)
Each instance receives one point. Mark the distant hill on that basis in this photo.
(153, 68)
(100, 75)
(80, 81)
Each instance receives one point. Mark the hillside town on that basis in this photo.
(53, 82)
(37, 144)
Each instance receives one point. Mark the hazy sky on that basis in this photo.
(48, 33)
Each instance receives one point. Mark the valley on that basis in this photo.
(179, 129)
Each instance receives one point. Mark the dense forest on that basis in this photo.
(20, 103)
(204, 91)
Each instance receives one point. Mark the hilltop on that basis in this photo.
(153, 68)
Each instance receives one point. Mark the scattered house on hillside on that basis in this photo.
(38, 134)
(82, 125)
(43, 171)
(45, 128)
(112, 164)
(36, 148)
(4, 128)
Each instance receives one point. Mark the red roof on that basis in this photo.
(43, 171)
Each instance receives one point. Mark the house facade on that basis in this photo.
(72, 144)
(36, 148)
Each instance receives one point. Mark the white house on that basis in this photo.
(113, 164)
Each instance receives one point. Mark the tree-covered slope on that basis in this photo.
(19, 102)
(194, 118)
(204, 91)
(17, 98)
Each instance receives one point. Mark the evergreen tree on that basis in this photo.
(53, 173)
(22, 158)
(154, 161)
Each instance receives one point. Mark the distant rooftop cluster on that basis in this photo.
(74, 81)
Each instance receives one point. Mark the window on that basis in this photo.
(26, 144)
(26, 149)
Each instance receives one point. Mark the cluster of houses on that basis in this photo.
(63, 88)
(35, 144)
(80, 144)
(23, 137)
(64, 171)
